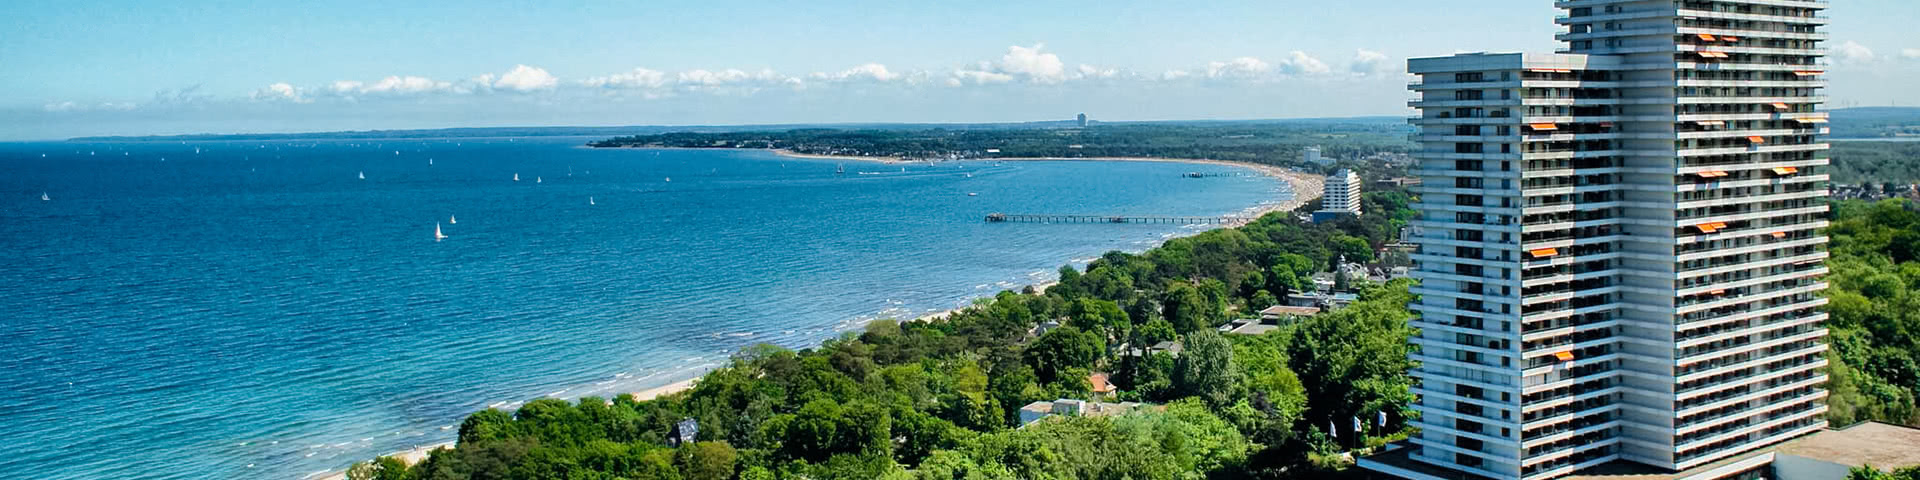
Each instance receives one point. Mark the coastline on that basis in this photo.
(419, 454)
(1304, 187)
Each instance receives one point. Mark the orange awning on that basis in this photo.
(1706, 228)
(1782, 106)
(1564, 356)
(1757, 139)
(1811, 120)
(1779, 234)
(1807, 73)
(1543, 252)
(1710, 123)
(1717, 292)
(1712, 174)
(1712, 54)
(1785, 170)
(1544, 126)
(1707, 38)
(1729, 39)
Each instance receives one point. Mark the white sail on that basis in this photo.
(363, 175)
(516, 177)
(436, 233)
(536, 179)
(590, 201)
(453, 220)
(44, 197)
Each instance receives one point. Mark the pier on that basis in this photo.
(1134, 219)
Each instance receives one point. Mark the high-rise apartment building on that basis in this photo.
(1340, 195)
(1618, 243)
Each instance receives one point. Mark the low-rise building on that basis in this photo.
(1037, 411)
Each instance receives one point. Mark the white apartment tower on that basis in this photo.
(1618, 243)
(1341, 193)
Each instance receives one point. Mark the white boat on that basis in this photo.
(973, 194)
(590, 201)
(363, 175)
(429, 162)
(437, 236)
(536, 179)
(44, 197)
(516, 177)
(669, 179)
(453, 220)
(969, 175)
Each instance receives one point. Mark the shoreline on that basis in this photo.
(419, 454)
(1304, 186)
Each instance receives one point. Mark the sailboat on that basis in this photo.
(44, 197)
(842, 170)
(453, 220)
(516, 177)
(590, 201)
(429, 162)
(363, 175)
(536, 179)
(669, 179)
(437, 236)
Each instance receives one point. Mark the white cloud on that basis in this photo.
(1243, 68)
(1029, 61)
(1019, 63)
(523, 78)
(1172, 75)
(406, 85)
(1091, 72)
(1910, 53)
(1853, 52)
(638, 78)
(1368, 62)
(282, 91)
(871, 71)
(1299, 63)
(713, 78)
(978, 77)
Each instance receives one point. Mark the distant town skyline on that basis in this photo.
(116, 67)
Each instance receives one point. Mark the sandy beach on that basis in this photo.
(1305, 186)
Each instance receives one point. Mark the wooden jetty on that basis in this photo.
(1021, 218)
(1214, 174)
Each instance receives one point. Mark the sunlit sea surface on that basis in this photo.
(259, 310)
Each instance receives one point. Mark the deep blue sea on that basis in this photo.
(233, 310)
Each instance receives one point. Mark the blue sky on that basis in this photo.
(90, 67)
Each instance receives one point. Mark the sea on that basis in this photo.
(282, 309)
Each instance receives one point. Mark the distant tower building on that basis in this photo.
(1341, 196)
(1312, 155)
(1083, 120)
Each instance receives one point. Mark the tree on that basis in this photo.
(1205, 368)
(707, 460)
(1063, 348)
(383, 468)
(1189, 309)
(1355, 249)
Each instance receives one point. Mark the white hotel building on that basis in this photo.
(1619, 247)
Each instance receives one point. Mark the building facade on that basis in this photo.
(1340, 196)
(1618, 243)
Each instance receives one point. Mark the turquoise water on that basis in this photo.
(257, 310)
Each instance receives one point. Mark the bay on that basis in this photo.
(259, 310)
